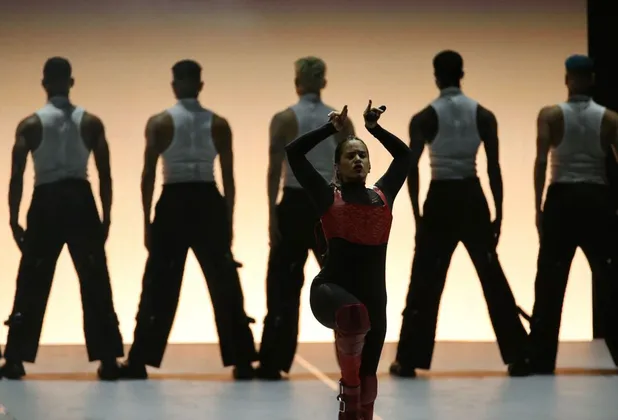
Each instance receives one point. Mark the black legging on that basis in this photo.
(327, 298)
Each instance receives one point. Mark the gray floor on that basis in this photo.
(467, 382)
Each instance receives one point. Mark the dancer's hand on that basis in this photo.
(18, 235)
(148, 236)
(338, 118)
(372, 115)
(497, 229)
(106, 223)
(273, 231)
(539, 223)
(418, 222)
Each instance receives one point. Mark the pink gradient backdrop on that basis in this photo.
(122, 52)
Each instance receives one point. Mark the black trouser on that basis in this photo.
(191, 215)
(63, 213)
(286, 277)
(599, 298)
(599, 294)
(456, 211)
(574, 215)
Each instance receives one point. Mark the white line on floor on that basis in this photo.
(322, 377)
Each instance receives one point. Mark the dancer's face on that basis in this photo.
(354, 165)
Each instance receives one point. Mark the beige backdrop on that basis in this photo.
(122, 67)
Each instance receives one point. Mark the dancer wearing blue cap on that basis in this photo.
(577, 134)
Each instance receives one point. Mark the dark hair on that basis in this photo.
(580, 66)
(187, 70)
(448, 67)
(57, 69)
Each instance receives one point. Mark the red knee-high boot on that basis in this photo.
(369, 393)
(352, 327)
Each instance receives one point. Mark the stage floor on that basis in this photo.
(467, 381)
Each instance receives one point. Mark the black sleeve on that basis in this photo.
(316, 186)
(391, 182)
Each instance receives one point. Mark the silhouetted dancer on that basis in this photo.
(453, 127)
(578, 212)
(292, 222)
(61, 136)
(191, 214)
(349, 294)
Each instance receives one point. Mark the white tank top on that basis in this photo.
(62, 153)
(452, 153)
(312, 113)
(191, 155)
(580, 156)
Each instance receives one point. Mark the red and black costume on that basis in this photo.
(349, 293)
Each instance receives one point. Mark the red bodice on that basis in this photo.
(362, 224)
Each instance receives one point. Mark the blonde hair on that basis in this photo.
(310, 73)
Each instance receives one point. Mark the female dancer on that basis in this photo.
(349, 294)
